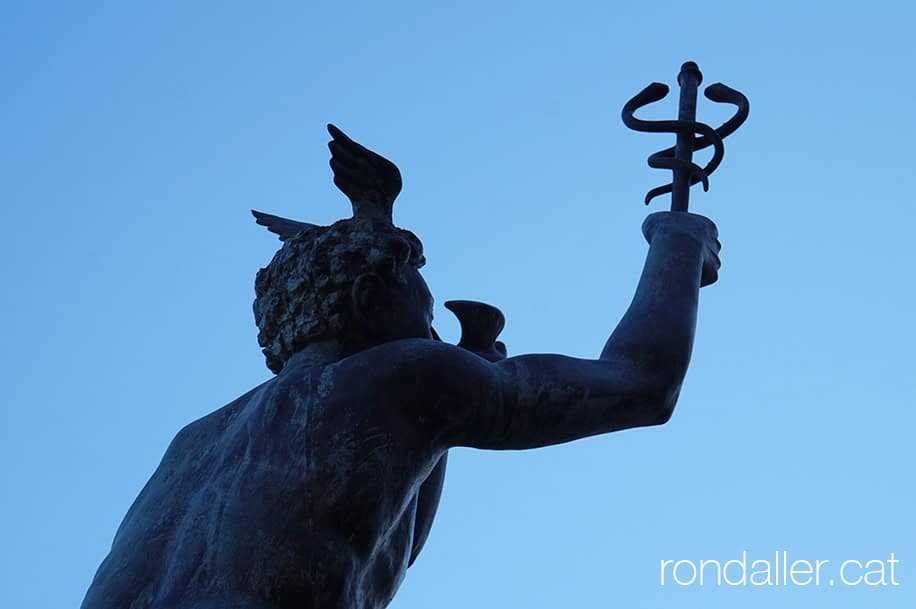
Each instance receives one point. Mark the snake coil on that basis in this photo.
(664, 159)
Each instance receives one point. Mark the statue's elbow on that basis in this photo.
(664, 413)
(663, 407)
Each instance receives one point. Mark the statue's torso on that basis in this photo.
(302, 493)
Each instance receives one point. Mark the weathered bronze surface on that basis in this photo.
(317, 489)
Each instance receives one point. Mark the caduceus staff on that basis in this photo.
(679, 158)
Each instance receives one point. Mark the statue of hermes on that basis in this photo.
(317, 489)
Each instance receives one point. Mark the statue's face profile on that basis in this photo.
(417, 312)
(391, 310)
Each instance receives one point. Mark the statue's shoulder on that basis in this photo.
(413, 368)
(209, 430)
(408, 356)
(179, 474)
(398, 373)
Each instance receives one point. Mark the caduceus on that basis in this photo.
(679, 158)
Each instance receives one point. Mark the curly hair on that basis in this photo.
(302, 296)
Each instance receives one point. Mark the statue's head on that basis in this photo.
(356, 282)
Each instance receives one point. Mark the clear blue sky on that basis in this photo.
(134, 138)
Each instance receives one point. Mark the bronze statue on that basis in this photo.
(317, 488)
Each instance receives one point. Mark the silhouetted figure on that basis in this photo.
(317, 488)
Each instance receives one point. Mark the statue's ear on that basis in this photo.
(367, 297)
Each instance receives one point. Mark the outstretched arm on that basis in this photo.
(538, 400)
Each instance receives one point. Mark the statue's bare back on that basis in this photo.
(288, 492)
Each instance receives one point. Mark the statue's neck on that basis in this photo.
(320, 353)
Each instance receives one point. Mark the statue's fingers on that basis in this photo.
(711, 266)
(709, 277)
(716, 262)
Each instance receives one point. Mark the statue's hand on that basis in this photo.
(699, 227)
